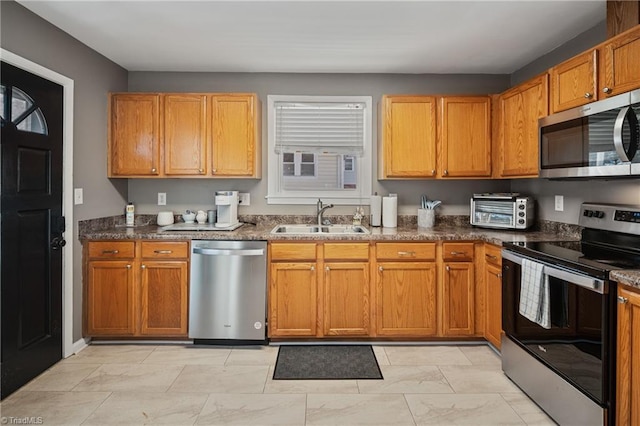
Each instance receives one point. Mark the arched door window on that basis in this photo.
(21, 111)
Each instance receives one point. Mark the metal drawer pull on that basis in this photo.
(380, 268)
(128, 266)
(458, 253)
(110, 251)
(490, 256)
(497, 274)
(144, 266)
(622, 300)
(406, 253)
(163, 251)
(448, 268)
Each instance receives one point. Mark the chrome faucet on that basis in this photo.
(320, 208)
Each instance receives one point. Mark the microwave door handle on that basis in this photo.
(617, 134)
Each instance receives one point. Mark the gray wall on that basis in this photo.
(577, 191)
(33, 38)
(198, 194)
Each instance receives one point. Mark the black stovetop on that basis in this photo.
(596, 255)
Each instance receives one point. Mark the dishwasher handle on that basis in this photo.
(228, 252)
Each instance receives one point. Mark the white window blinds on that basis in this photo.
(326, 127)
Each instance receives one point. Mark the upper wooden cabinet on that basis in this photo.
(464, 129)
(134, 135)
(408, 137)
(520, 108)
(574, 82)
(620, 69)
(184, 135)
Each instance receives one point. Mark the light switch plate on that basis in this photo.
(78, 196)
(559, 203)
(162, 198)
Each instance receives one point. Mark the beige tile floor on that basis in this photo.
(187, 385)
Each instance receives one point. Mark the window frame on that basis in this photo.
(276, 194)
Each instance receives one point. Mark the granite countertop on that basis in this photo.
(628, 277)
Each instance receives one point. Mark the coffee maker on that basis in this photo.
(227, 205)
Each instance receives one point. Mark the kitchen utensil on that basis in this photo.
(165, 218)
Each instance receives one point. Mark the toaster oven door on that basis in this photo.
(493, 213)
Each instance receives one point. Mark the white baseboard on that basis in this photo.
(79, 345)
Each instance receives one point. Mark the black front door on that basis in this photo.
(32, 225)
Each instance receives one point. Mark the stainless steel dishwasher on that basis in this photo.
(227, 296)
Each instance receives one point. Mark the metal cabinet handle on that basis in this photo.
(144, 266)
(110, 251)
(458, 253)
(622, 300)
(497, 274)
(380, 268)
(606, 90)
(588, 95)
(448, 268)
(490, 256)
(163, 251)
(313, 268)
(433, 172)
(326, 268)
(213, 170)
(406, 253)
(446, 172)
(128, 266)
(153, 170)
(201, 171)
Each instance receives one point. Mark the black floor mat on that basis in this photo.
(300, 362)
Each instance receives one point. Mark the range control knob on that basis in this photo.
(521, 214)
(521, 206)
(599, 214)
(521, 221)
(589, 213)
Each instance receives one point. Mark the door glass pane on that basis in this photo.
(2, 104)
(20, 102)
(34, 123)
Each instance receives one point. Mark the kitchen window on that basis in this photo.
(319, 147)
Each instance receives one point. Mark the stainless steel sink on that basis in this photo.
(315, 229)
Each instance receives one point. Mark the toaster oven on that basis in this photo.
(508, 210)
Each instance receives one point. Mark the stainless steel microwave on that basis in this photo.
(600, 139)
(505, 210)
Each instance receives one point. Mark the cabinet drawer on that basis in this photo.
(406, 251)
(165, 249)
(293, 251)
(343, 251)
(457, 251)
(112, 249)
(493, 255)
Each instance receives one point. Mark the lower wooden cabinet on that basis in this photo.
(628, 358)
(136, 288)
(346, 299)
(406, 299)
(493, 294)
(458, 301)
(293, 299)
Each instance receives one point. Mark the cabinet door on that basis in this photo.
(234, 136)
(465, 136)
(134, 135)
(620, 71)
(628, 362)
(408, 137)
(185, 135)
(110, 298)
(346, 299)
(458, 310)
(293, 299)
(521, 107)
(163, 288)
(493, 325)
(574, 82)
(406, 299)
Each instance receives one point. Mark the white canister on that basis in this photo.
(426, 218)
(201, 216)
(165, 218)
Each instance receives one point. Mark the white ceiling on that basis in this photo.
(322, 36)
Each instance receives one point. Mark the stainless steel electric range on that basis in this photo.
(563, 356)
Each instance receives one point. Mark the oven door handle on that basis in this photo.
(590, 283)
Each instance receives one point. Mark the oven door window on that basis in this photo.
(573, 346)
(494, 212)
(564, 144)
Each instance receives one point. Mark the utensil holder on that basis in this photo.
(426, 218)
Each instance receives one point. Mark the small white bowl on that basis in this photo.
(165, 218)
(189, 218)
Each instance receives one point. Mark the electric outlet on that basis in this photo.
(162, 198)
(78, 197)
(559, 203)
(244, 198)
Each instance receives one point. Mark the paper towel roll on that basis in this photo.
(376, 210)
(390, 212)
